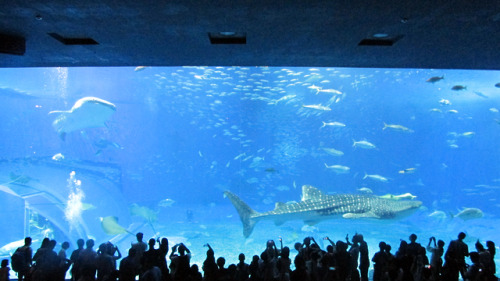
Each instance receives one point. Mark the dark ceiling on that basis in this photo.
(423, 33)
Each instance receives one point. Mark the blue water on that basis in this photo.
(183, 135)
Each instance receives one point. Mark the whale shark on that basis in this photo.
(316, 206)
(88, 112)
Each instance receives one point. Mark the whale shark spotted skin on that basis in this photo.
(316, 206)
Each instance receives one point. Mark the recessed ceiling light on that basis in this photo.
(227, 37)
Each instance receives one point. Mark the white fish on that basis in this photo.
(329, 91)
(284, 98)
(333, 151)
(365, 190)
(376, 177)
(58, 157)
(445, 102)
(339, 169)
(88, 112)
(166, 202)
(317, 107)
(364, 144)
(439, 215)
(469, 214)
(467, 134)
(494, 110)
(240, 155)
(399, 128)
(332, 124)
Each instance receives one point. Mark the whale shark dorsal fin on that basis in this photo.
(279, 205)
(310, 193)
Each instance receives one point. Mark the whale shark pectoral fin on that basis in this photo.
(360, 215)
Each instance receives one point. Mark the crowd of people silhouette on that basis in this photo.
(340, 261)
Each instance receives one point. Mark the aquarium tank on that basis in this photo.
(237, 156)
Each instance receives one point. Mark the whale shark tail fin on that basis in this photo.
(246, 213)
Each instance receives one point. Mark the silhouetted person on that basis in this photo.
(195, 274)
(269, 258)
(475, 270)
(222, 274)
(106, 262)
(364, 258)
(254, 269)
(491, 248)
(64, 262)
(242, 268)
(300, 272)
(75, 269)
(162, 259)
(209, 265)
(485, 260)
(379, 262)
(88, 259)
(140, 247)
(150, 258)
(328, 264)
(128, 267)
(404, 261)
(24, 255)
(354, 253)
(4, 271)
(180, 259)
(437, 252)
(455, 258)
(343, 260)
(283, 265)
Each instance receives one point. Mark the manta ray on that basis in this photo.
(316, 206)
(88, 112)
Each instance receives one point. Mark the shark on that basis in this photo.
(87, 112)
(316, 206)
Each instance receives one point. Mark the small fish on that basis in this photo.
(332, 124)
(317, 107)
(271, 170)
(166, 202)
(497, 85)
(408, 171)
(365, 190)
(333, 151)
(435, 110)
(240, 155)
(329, 91)
(434, 79)
(481, 95)
(363, 144)
(439, 215)
(140, 68)
(459, 88)
(58, 157)
(376, 177)
(454, 111)
(399, 128)
(467, 134)
(339, 169)
(494, 110)
(445, 102)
